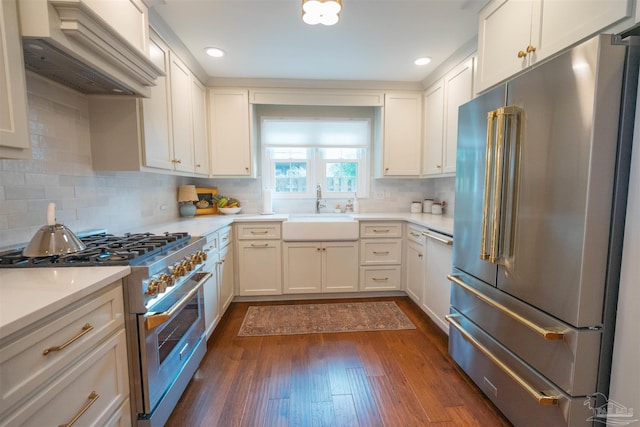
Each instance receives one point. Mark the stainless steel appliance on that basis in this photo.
(541, 178)
(164, 303)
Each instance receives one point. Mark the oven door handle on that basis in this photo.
(154, 320)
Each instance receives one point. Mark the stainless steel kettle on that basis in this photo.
(53, 239)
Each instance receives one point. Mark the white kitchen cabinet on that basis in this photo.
(225, 268)
(232, 151)
(75, 358)
(415, 263)
(180, 78)
(15, 142)
(380, 255)
(259, 268)
(211, 288)
(442, 101)
(199, 126)
(433, 129)
(514, 34)
(401, 135)
(314, 267)
(130, 18)
(436, 295)
(164, 133)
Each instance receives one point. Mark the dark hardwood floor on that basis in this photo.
(388, 378)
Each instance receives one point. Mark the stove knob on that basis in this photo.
(177, 271)
(166, 280)
(203, 255)
(153, 288)
(187, 265)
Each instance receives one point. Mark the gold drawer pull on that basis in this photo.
(381, 230)
(259, 232)
(85, 330)
(383, 279)
(381, 252)
(549, 334)
(93, 396)
(546, 398)
(255, 245)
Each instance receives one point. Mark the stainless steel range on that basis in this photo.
(164, 305)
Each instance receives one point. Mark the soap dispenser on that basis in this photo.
(355, 208)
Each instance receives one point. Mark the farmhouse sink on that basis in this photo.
(320, 227)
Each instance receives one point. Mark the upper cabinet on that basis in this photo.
(164, 133)
(14, 130)
(441, 103)
(514, 34)
(401, 135)
(231, 137)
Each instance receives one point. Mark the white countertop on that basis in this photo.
(30, 294)
(204, 224)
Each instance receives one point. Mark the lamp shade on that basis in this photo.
(187, 193)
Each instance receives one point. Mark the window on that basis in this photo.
(300, 152)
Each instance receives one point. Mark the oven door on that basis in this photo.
(169, 333)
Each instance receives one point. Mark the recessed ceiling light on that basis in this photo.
(422, 61)
(214, 51)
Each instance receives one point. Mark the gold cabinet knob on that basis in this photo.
(531, 49)
(522, 54)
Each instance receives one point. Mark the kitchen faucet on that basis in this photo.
(319, 202)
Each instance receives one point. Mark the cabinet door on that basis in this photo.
(302, 265)
(415, 271)
(458, 90)
(564, 23)
(158, 138)
(225, 277)
(14, 130)
(433, 129)
(436, 285)
(402, 140)
(229, 123)
(199, 115)
(259, 267)
(504, 30)
(211, 295)
(340, 266)
(180, 77)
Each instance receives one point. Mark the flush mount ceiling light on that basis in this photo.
(214, 51)
(325, 12)
(422, 61)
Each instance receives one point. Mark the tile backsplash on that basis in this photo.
(60, 172)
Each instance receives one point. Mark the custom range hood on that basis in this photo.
(69, 42)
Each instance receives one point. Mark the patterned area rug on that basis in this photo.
(321, 318)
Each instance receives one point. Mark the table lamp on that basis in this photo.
(186, 196)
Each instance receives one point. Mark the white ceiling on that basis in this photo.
(375, 40)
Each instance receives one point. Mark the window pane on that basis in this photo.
(290, 176)
(288, 153)
(342, 177)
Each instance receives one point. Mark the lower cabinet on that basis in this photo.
(314, 267)
(415, 264)
(225, 277)
(218, 291)
(437, 290)
(380, 255)
(259, 266)
(47, 379)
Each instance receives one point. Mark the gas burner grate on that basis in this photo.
(103, 249)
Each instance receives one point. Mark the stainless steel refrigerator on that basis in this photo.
(541, 178)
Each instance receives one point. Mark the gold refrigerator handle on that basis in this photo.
(543, 398)
(546, 333)
(494, 256)
(484, 253)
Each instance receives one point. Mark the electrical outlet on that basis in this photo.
(379, 195)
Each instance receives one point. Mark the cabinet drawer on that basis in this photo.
(414, 234)
(380, 278)
(380, 251)
(23, 365)
(380, 229)
(98, 382)
(212, 243)
(262, 230)
(122, 417)
(224, 236)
